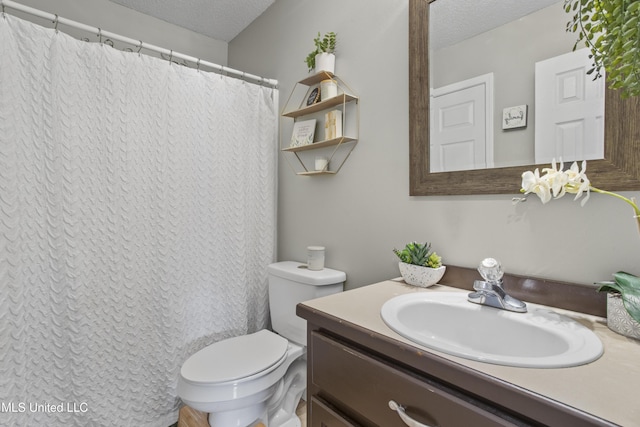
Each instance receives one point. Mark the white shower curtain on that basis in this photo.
(137, 218)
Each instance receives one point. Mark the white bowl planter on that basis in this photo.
(325, 62)
(619, 320)
(417, 275)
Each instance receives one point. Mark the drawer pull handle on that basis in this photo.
(403, 415)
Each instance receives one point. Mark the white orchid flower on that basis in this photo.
(556, 178)
(555, 183)
(578, 183)
(532, 183)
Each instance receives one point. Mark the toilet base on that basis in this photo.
(232, 420)
(243, 417)
(293, 422)
(283, 403)
(279, 410)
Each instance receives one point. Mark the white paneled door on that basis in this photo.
(569, 109)
(461, 131)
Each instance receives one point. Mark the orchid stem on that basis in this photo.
(629, 201)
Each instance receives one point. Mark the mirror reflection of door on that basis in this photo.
(569, 108)
(461, 128)
(463, 45)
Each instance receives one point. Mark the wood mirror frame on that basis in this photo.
(620, 170)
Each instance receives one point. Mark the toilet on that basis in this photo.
(259, 378)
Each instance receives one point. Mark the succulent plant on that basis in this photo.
(628, 286)
(419, 254)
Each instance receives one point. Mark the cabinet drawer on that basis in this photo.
(361, 386)
(323, 416)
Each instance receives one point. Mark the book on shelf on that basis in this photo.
(303, 133)
(333, 124)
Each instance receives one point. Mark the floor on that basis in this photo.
(191, 418)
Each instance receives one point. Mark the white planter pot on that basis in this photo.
(417, 275)
(325, 62)
(618, 320)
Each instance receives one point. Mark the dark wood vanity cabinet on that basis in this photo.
(353, 388)
(354, 372)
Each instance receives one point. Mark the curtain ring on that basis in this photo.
(170, 56)
(140, 47)
(100, 35)
(198, 65)
(55, 27)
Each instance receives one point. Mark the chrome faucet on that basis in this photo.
(490, 292)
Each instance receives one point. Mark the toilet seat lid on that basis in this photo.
(235, 358)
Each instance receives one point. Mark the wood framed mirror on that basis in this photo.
(620, 169)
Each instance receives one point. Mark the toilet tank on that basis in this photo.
(291, 283)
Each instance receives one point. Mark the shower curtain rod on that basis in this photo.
(136, 43)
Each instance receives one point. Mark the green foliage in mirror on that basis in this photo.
(611, 30)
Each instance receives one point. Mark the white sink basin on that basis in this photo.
(447, 322)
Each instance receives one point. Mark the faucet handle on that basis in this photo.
(489, 288)
(481, 285)
(491, 270)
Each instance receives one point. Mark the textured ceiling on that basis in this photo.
(451, 21)
(219, 19)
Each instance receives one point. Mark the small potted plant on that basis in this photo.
(623, 304)
(419, 265)
(323, 58)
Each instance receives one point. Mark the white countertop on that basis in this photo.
(608, 388)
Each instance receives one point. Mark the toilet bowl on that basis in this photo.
(234, 379)
(259, 377)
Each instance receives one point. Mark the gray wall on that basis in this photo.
(365, 210)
